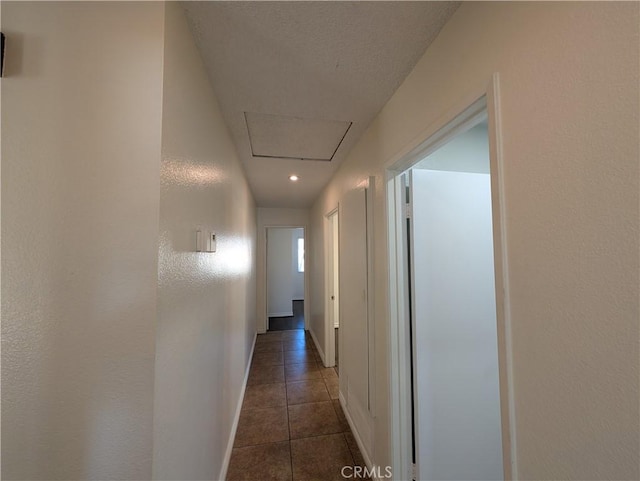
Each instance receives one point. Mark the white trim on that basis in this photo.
(401, 161)
(236, 418)
(315, 341)
(281, 314)
(483, 102)
(354, 431)
(505, 345)
(400, 406)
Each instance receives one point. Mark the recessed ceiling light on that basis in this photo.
(293, 178)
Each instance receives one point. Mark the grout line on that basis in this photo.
(353, 458)
(261, 444)
(296, 439)
(286, 400)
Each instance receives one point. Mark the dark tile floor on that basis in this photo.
(291, 425)
(291, 322)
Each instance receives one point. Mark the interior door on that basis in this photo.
(354, 325)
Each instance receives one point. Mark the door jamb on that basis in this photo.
(485, 100)
(329, 333)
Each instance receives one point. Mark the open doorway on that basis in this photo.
(285, 278)
(451, 413)
(454, 331)
(332, 289)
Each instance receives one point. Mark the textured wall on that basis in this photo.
(569, 90)
(206, 301)
(81, 137)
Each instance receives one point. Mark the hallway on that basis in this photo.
(150, 148)
(291, 426)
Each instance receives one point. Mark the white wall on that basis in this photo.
(206, 306)
(569, 104)
(275, 217)
(455, 332)
(280, 281)
(81, 135)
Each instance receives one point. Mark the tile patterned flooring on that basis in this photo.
(291, 425)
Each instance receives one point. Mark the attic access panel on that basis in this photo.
(283, 137)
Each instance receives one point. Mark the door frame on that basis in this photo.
(329, 268)
(265, 278)
(484, 101)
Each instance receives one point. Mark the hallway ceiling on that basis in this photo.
(303, 80)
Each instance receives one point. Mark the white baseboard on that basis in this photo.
(236, 419)
(281, 314)
(320, 351)
(354, 431)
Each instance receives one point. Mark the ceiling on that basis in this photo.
(299, 82)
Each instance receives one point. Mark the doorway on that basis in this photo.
(451, 402)
(332, 290)
(453, 317)
(285, 278)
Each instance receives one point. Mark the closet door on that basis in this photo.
(354, 324)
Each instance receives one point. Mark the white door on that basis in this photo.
(354, 325)
(454, 330)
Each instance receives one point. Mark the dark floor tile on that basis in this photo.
(307, 392)
(321, 458)
(261, 426)
(268, 358)
(300, 372)
(342, 419)
(268, 346)
(265, 395)
(297, 357)
(333, 386)
(293, 334)
(265, 462)
(265, 374)
(358, 459)
(269, 337)
(285, 323)
(296, 345)
(328, 373)
(314, 419)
